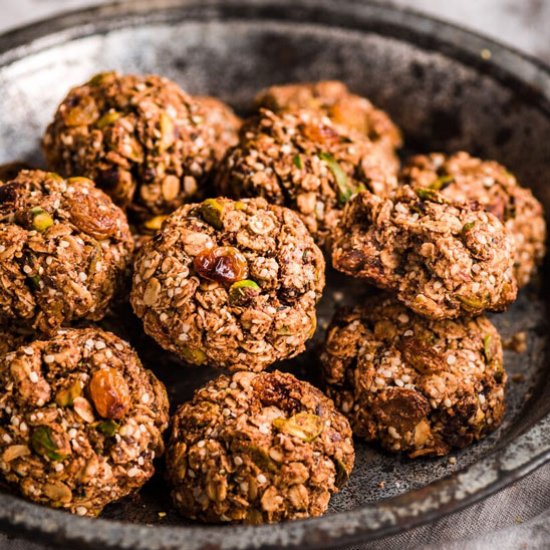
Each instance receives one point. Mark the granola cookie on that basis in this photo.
(333, 99)
(64, 247)
(257, 448)
(81, 420)
(303, 161)
(230, 284)
(441, 259)
(224, 121)
(463, 178)
(141, 138)
(412, 384)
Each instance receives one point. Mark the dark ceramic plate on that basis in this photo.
(447, 89)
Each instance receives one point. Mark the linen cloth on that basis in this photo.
(518, 517)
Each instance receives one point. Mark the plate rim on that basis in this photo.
(504, 465)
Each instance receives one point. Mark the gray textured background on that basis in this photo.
(519, 517)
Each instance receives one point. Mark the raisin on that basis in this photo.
(224, 264)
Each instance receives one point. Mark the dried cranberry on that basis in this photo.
(224, 264)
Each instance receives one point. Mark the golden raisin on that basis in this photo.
(110, 393)
(224, 264)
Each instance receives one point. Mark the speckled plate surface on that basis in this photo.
(447, 89)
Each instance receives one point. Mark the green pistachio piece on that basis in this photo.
(55, 176)
(344, 189)
(195, 356)
(101, 78)
(66, 397)
(473, 303)
(107, 119)
(305, 426)
(41, 220)
(426, 194)
(211, 211)
(242, 292)
(108, 427)
(342, 473)
(468, 226)
(35, 281)
(297, 161)
(42, 443)
(441, 182)
(155, 223)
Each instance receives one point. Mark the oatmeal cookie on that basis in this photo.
(333, 99)
(257, 448)
(224, 121)
(441, 259)
(412, 384)
(141, 138)
(303, 161)
(463, 178)
(64, 248)
(81, 420)
(230, 284)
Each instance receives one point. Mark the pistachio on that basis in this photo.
(107, 119)
(110, 393)
(305, 426)
(41, 220)
(242, 292)
(344, 190)
(194, 356)
(102, 78)
(424, 193)
(297, 161)
(155, 223)
(441, 182)
(473, 303)
(66, 396)
(43, 443)
(211, 211)
(342, 472)
(468, 227)
(108, 427)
